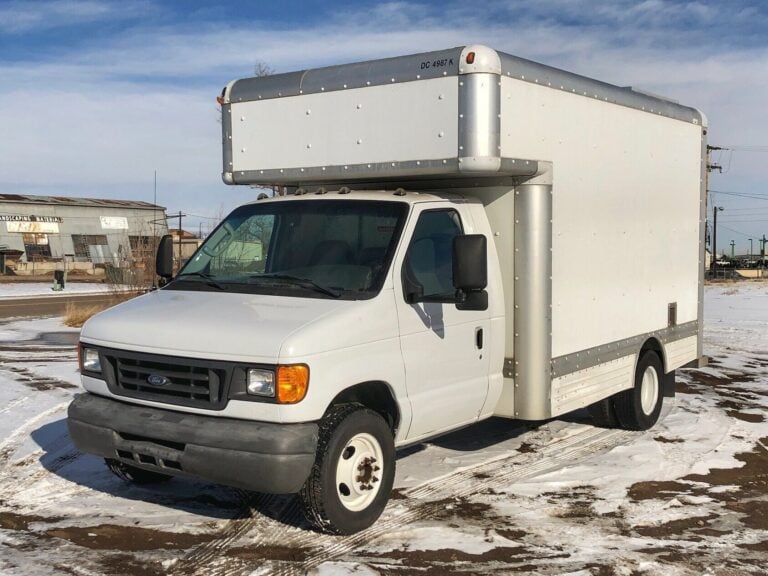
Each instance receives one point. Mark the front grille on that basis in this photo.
(168, 379)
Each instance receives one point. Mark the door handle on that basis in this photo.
(479, 338)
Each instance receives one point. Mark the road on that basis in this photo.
(37, 306)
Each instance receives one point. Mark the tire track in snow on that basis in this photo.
(423, 501)
(59, 448)
(7, 445)
(202, 559)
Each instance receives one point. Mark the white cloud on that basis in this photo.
(144, 100)
(18, 17)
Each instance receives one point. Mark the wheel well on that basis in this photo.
(655, 345)
(375, 395)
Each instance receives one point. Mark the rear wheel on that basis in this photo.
(353, 473)
(639, 407)
(134, 475)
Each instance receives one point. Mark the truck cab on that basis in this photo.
(292, 307)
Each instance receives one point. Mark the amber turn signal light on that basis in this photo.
(292, 383)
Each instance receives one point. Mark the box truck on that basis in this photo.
(467, 234)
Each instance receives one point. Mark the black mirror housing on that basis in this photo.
(164, 258)
(470, 262)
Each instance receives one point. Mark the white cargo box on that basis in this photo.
(423, 116)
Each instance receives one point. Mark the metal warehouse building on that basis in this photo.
(39, 234)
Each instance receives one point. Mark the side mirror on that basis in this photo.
(470, 262)
(164, 259)
(470, 271)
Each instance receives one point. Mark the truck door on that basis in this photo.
(446, 367)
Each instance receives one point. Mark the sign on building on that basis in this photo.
(114, 223)
(26, 227)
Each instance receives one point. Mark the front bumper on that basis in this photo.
(261, 456)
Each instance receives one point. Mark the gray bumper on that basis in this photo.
(260, 456)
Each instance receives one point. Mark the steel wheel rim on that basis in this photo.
(359, 472)
(649, 390)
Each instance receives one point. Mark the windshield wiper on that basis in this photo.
(303, 282)
(208, 277)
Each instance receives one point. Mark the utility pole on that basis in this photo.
(750, 249)
(715, 210)
(762, 249)
(180, 217)
(710, 166)
(733, 245)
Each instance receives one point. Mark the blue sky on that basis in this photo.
(96, 95)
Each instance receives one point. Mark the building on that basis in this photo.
(185, 244)
(39, 234)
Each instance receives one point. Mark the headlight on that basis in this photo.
(261, 382)
(90, 360)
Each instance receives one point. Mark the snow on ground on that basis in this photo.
(688, 497)
(31, 289)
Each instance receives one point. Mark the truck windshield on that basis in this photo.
(310, 248)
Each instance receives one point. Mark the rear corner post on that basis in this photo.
(703, 188)
(533, 296)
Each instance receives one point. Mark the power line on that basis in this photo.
(741, 194)
(737, 232)
(745, 148)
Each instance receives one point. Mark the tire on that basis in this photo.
(354, 469)
(603, 413)
(639, 407)
(134, 475)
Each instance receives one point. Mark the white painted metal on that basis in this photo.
(446, 375)
(649, 390)
(625, 211)
(304, 131)
(359, 472)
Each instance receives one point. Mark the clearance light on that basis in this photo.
(292, 382)
(471, 58)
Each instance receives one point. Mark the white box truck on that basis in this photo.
(468, 234)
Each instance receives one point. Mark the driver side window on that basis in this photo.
(430, 254)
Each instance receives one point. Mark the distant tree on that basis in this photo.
(262, 69)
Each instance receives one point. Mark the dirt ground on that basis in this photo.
(688, 497)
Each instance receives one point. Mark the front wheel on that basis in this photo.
(353, 473)
(639, 407)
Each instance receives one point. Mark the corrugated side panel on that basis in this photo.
(395, 123)
(585, 387)
(680, 352)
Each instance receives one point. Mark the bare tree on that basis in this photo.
(262, 69)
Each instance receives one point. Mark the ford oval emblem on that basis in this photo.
(157, 380)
